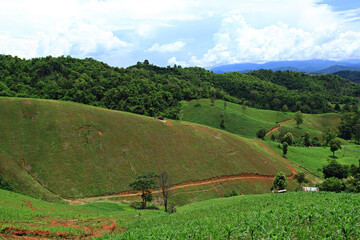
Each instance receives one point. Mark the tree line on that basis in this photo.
(151, 90)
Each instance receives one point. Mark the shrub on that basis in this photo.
(332, 185)
(335, 169)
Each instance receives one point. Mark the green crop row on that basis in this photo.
(270, 216)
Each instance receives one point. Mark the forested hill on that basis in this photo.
(353, 76)
(151, 90)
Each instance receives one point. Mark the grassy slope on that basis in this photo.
(314, 158)
(291, 215)
(235, 120)
(15, 212)
(249, 122)
(77, 150)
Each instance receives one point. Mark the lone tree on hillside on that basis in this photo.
(335, 145)
(285, 148)
(261, 134)
(280, 181)
(144, 182)
(289, 138)
(165, 183)
(298, 118)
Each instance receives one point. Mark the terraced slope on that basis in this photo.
(54, 148)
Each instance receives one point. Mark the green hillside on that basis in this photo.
(51, 148)
(267, 216)
(247, 122)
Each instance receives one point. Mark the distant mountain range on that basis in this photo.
(307, 66)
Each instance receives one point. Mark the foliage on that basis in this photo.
(350, 126)
(151, 90)
(285, 148)
(307, 142)
(335, 145)
(353, 76)
(298, 118)
(261, 133)
(300, 178)
(280, 181)
(335, 169)
(144, 182)
(288, 138)
(4, 184)
(329, 134)
(332, 184)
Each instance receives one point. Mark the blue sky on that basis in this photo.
(186, 32)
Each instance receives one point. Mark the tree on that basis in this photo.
(165, 183)
(337, 107)
(307, 139)
(225, 104)
(243, 107)
(284, 108)
(144, 182)
(5, 184)
(356, 135)
(335, 145)
(300, 178)
(261, 133)
(289, 138)
(332, 184)
(298, 118)
(273, 137)
(335, 169)
(285, 148)
(329, 134)
(280, 181)
(212, 101)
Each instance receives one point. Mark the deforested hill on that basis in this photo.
(54, 148)
(151, 90)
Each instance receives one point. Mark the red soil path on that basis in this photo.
(277, 128)
(293, 172)
(30, 205)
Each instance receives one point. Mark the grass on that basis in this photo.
(297, 215)
(247, 123)
(53, 149)
(314, 158)
(72, 221)
(268, 216)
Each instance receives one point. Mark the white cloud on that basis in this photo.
(237, 41)
(256, 30)
(172, 61)
(170, 47)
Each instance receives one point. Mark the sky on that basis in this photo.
(184, 32)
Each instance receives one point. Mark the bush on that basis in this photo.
(280, 181)
(335, 169)
(229, 193)
(289, 138)
(261, 133)
(5, 184)
(332, 185)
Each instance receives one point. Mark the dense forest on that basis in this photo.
(151, 90)
(353, 76)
